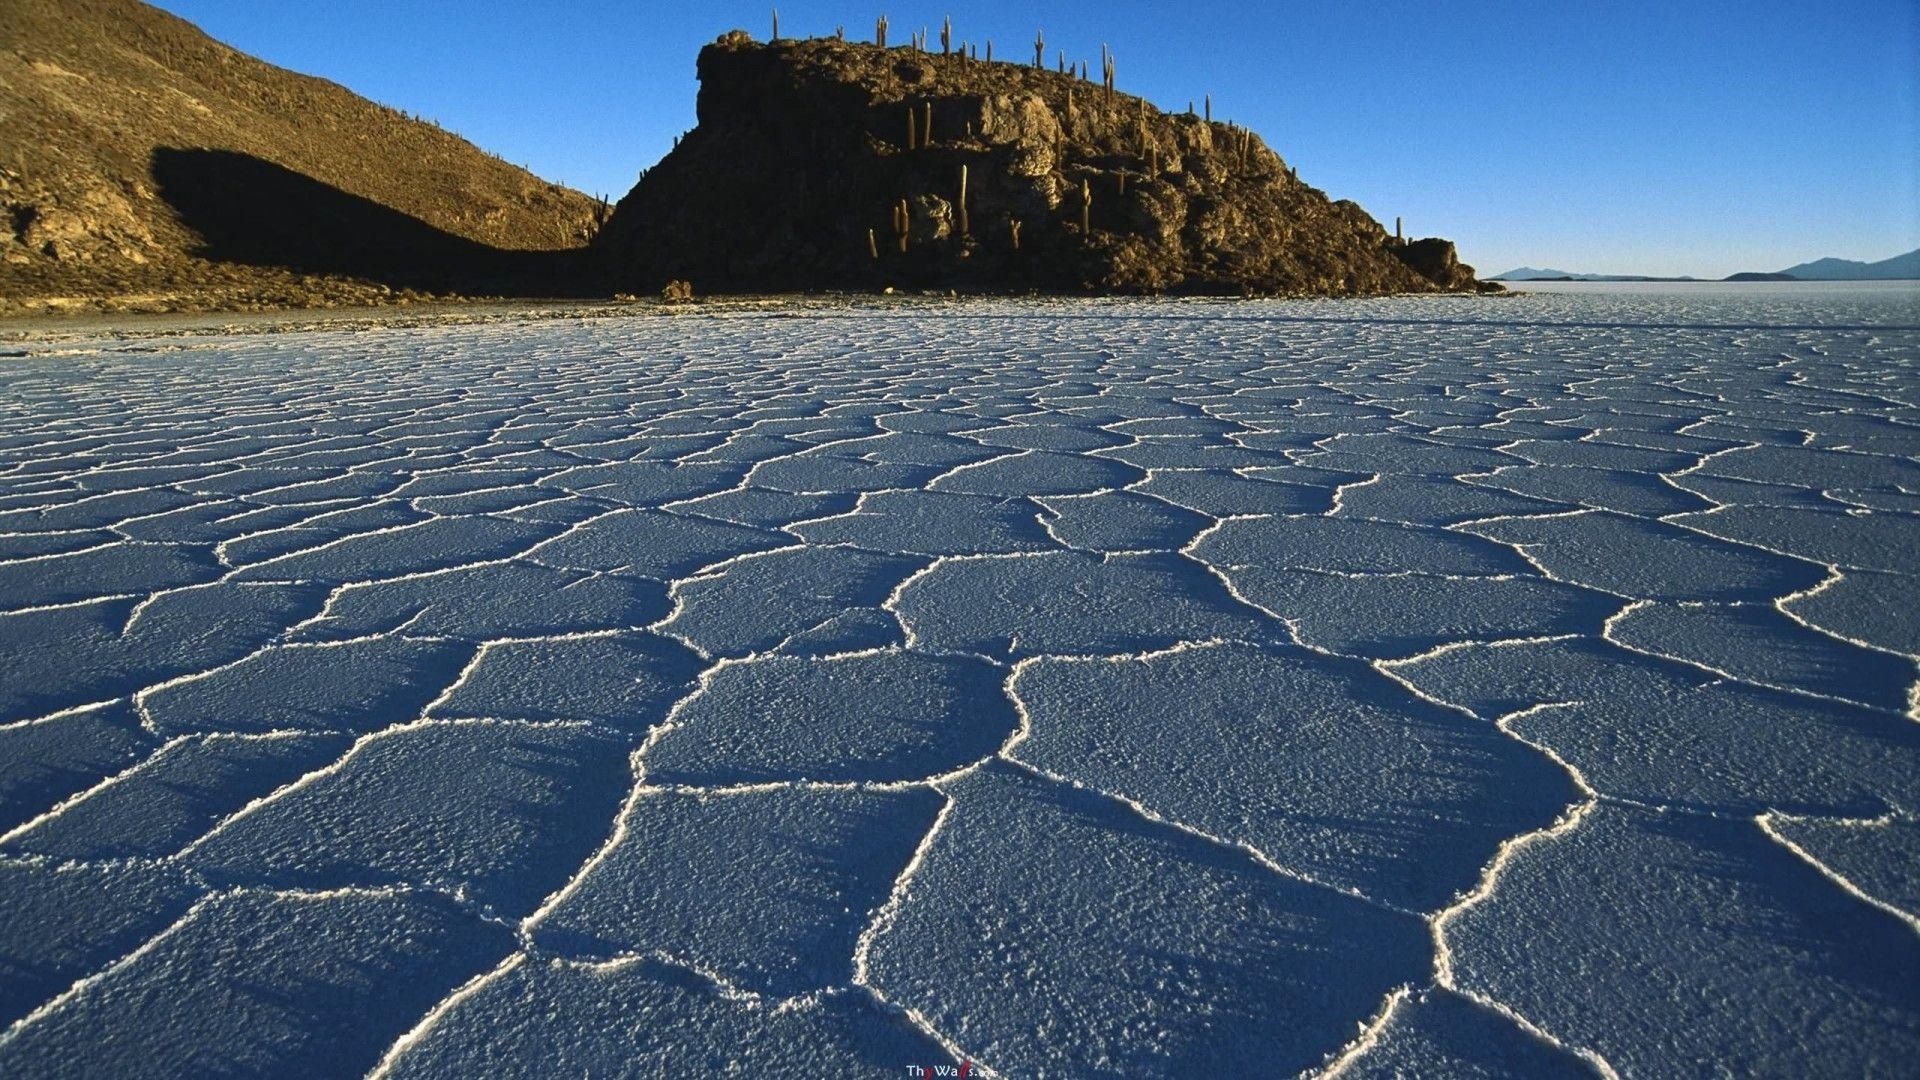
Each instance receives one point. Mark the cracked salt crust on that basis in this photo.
(1467, 685)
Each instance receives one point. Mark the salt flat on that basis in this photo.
(1471, 687)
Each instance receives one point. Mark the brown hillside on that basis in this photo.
(142, 160)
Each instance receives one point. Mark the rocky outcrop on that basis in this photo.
(829, 164)
(1437, 261)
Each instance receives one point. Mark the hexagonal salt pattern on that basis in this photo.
(1468, 687)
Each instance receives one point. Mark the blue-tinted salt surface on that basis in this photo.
(1470, 687)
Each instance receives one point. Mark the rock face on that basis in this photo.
(141, 158)
(830, 164)
(1435, 260)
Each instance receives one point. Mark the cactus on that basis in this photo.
(840, 33)
(873, 245)
(776, 26)
(1396, 231)
(880, 31)
(946, 36)
(912, 129)
(966, 228)
(926, 129)
(1086, 206)
(1013, 227)
(1039, 49)
(902, 223)
(1123, 183)
(989, 50)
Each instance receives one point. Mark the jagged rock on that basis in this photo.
(803, 148)
(932, 219)
(1437, 261)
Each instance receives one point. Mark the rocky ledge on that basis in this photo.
(826, 164)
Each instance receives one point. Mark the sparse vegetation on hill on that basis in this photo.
(145, 165)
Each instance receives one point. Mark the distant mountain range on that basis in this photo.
(1528, 273)
(1898, 268)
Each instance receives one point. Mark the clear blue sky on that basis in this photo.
(1651, 136)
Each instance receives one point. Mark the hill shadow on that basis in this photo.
(253, 212)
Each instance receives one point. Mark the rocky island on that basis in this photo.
(827, 163)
